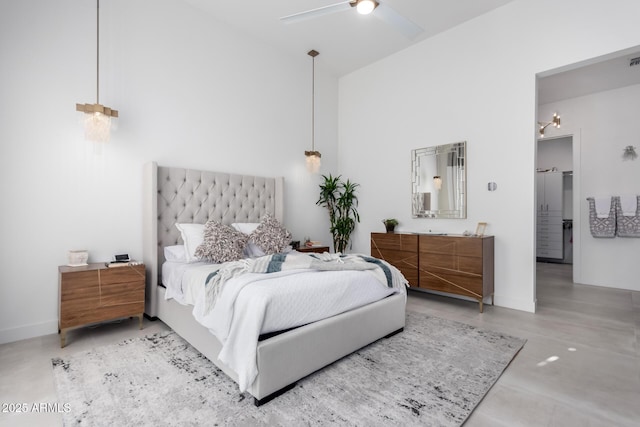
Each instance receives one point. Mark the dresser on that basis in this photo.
(451, 264)
(96, 293)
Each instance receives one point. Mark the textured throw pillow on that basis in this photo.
(221, 243)
(251, 250)
(270, 235)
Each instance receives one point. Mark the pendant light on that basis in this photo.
(97, 117)
(313, 157)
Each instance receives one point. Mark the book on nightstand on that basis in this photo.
(114, 264)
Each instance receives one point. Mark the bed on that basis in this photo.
(177, 195)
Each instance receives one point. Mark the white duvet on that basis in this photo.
(254, 304)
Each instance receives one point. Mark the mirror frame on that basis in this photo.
(417, 198)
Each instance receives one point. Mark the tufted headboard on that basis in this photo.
(177, 195)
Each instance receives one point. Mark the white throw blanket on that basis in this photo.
(303, 289)
(603, 206)
(629, 205)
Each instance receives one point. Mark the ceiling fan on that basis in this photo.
(379, 9)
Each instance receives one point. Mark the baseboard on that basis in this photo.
(515, 303)
(28, 331)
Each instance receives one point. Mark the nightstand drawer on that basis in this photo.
(80, 285)
(121, 293)
(128, 273)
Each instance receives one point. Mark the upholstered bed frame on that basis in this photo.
(176, 195)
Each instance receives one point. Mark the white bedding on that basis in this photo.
(253, 304)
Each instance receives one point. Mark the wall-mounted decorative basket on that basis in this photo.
(628, 225)
(602, 227)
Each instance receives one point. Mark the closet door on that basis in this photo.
(553, 191)
(549, 215)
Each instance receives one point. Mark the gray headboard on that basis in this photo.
(177, 195)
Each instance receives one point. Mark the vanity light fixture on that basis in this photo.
(555, 121)
(313, 156)
(365, 7)
(629, 153)
(437, 182)
(97, 117)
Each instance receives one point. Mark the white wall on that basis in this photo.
(191, 92)
(605, 123)
(476, 82)
(555, 153)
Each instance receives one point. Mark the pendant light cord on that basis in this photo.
(97, 51)
(313, 104)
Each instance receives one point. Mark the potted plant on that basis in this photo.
(340, 200)
(390, 224)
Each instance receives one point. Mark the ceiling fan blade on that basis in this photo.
(408, 28)
(324, 10)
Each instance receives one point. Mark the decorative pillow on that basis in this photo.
(221, 243)
(251, 250)
(270, 235)
(192, 236)
(175, 253)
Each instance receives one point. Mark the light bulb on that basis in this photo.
(365, 7)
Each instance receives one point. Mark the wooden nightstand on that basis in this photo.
(96, 293)
(315, 249)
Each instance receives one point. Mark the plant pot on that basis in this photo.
(390, 228)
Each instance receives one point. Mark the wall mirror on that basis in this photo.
(439, 175)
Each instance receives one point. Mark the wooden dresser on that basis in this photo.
(96, 293)
(452, 264)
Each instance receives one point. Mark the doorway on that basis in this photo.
(554, 192)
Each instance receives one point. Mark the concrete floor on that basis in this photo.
(593, 332)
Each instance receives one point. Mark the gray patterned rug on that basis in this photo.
(432, 374)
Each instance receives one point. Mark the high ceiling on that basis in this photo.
(345, 39)
(596, 75)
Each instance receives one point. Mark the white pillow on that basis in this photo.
(192, 236)
(175, 253)
(251, 250)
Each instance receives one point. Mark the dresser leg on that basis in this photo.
(140, 319)
(63, 337)
(480, 302)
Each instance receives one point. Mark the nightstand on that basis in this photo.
(95, 293)
(315, 249)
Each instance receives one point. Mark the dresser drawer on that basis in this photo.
(445, 245)
(399, 250)
(394, 241)
(454, 283)
(467, 264)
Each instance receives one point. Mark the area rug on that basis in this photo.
(432, 374)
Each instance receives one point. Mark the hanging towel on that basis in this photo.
(629, 204)
(603, 206)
